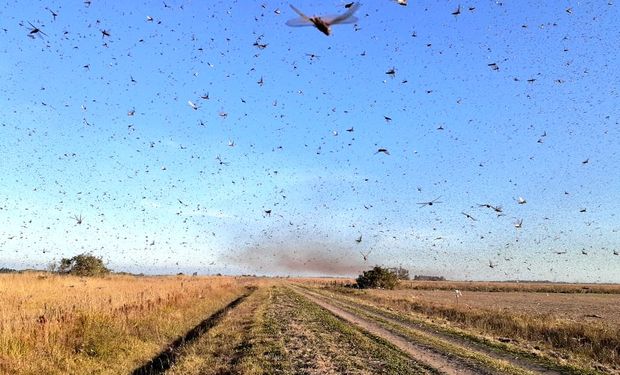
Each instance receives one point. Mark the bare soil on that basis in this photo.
(598, 308)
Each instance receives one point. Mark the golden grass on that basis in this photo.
(63, 324)
(221, 349)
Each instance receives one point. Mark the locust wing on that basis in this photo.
(303, 20)
(346, 17)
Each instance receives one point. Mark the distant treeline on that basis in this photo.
(7, 270)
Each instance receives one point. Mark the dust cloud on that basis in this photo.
(307, 259)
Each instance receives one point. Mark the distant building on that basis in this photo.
(429, 278)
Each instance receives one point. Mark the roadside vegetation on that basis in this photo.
(377, 277)
(63, 324)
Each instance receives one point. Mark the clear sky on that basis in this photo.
(210, 136)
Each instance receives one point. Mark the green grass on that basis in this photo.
(266, 354)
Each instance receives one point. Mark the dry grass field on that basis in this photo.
(592, 307)
(118, 324)
(479, 286)
(52, 324)
(487, 286)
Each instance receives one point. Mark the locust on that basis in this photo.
(324, 23)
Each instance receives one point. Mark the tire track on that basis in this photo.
(443, 363)
(513, 359)
(166, 358)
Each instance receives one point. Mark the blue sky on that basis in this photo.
(176, 189)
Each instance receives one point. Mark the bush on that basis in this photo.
(378, 277)
(83, 265)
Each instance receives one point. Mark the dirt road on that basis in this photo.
(442, 363)
(291, 329)
(447, 354)
(278, 331)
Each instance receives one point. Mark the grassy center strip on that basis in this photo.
(309, 339)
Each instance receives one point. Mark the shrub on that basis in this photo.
(378, 277)
(83, 265)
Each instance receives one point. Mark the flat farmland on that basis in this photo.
(600, 308)
(218, 325)
(510, 286)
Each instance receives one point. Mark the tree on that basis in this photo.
(400, 272)
(65, 265)
(52, 267)
(83, 265)
(378, 277)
